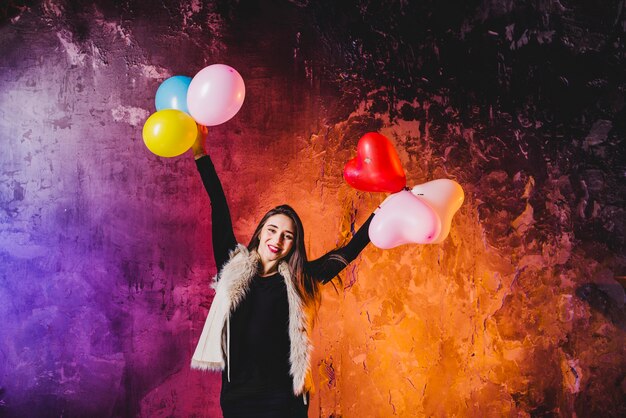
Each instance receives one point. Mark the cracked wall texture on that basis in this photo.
(105, 248)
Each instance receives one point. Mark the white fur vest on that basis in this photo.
(231, 285)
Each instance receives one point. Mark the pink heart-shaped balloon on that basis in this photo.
(404, 219)
(445, 197)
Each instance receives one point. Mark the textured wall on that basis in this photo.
(105, 248)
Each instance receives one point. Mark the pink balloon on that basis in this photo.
(445, 197)
(402, 219)
(215, 94)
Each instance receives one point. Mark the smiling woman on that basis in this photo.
(277, 237)
(258, 329)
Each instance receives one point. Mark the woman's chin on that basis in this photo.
(269, 257)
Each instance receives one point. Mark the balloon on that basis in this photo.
(377, 167)
(215, 94)
(169, 132)
(172, 93)
(404, 219)
(445, 197)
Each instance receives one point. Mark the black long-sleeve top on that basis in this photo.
(259, 341)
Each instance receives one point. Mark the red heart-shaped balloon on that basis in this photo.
(376, 167)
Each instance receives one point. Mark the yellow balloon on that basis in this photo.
(169, 132)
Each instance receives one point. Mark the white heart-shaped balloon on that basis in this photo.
(445, 197)
(404, 219)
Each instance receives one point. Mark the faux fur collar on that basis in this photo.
(231, 286)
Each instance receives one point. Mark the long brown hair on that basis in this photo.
(308, 288)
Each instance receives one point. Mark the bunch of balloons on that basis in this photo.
(422, 215)
(210, 98)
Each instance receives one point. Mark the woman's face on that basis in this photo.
(277, 238)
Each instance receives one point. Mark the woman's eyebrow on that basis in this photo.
(286, 230)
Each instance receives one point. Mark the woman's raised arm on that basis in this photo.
(221, 224)
(332, 263)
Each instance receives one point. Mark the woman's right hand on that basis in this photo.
(198, 146)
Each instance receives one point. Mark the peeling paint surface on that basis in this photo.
(105, 248)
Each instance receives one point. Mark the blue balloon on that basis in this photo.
(172, 93)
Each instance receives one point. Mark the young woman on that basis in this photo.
(259, 325)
